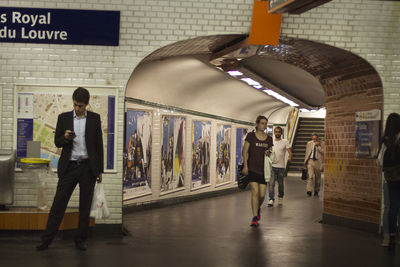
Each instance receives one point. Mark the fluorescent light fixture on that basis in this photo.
(235, 73)
(280, 97)
(252, 82)
(304, 110)
(257, 85)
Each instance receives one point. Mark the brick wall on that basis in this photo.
(370, 30)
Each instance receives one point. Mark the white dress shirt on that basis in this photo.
(79, 150)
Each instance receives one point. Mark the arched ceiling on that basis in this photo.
(190, 74)
(187, 82)
(293, 80)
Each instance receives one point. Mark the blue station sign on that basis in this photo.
(59, 26)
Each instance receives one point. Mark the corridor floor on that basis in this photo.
(215, 232)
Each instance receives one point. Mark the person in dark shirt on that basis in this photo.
(257, 144)
(391, 171)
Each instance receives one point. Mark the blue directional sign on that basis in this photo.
(59, 26)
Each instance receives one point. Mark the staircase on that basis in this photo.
(305, 128)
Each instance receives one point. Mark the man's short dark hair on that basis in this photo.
(278, 127)
(81, 95)
(314, 134)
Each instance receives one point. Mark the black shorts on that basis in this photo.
(256, 177)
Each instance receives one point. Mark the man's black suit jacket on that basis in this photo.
(93, 138)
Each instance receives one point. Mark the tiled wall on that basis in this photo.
(145, 26)
(367, 28)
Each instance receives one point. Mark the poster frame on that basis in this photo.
(40, 88)
(191, 151)
(174, 190)
(230, 154)
(151, 188)
(249, 129)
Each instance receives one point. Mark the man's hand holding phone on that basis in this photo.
(69, 135)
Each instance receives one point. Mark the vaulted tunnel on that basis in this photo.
(188, 75)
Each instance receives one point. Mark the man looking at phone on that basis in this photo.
(79, 134)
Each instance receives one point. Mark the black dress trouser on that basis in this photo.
(76, 173)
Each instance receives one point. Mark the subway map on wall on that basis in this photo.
(37, 115)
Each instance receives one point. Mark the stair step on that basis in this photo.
(311, 123)
(312, 119)
(297, 157)
(310, 130)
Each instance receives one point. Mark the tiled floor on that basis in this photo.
(216, 232)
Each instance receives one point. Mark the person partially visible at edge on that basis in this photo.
(314, 160)
(79, 134)
(391, 172)
(281, 147)
(257, 144)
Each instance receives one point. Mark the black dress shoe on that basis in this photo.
(80, 245)
(309, 193)
(315, 194)
(42, 246)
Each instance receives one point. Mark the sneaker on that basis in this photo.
(270, 203)
(309, 193)
(280, 201)
(386, 241)
(258, 214)
(254, 222)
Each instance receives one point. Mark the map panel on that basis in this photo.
(43, 109)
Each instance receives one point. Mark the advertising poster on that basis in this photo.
(137, 153)
(367, 133)
(240, 137)
(223, 153)
(201, 136)
(291, 121)
(172, 152)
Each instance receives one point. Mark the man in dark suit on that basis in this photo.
(79, 134)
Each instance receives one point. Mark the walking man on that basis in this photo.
(313, 160)
(280, 148)
(79, 134)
